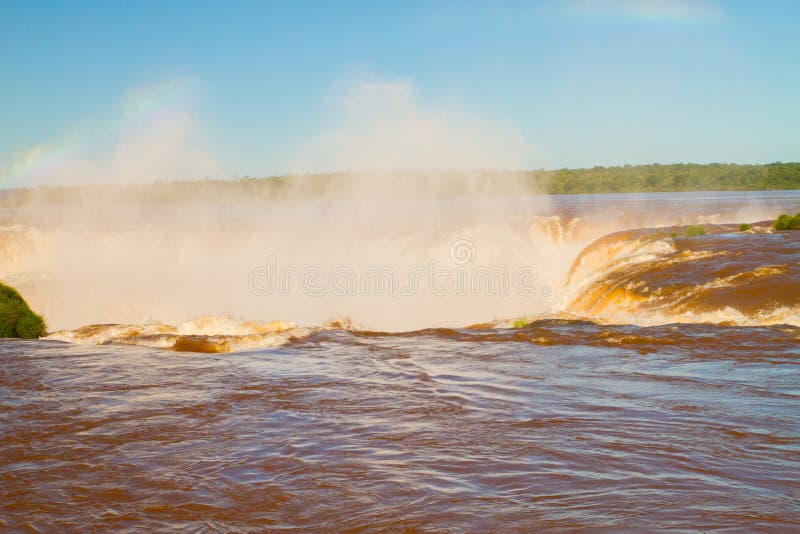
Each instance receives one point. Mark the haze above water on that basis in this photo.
(176, 262)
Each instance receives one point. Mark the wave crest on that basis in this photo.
(647, 279)
(219, 333)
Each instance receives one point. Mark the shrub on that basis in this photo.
(16, 318)
(673, 235)
(520, 323)
(31, 326)
(744, 227)
(695, 230)
(783, 222)
(794, 224)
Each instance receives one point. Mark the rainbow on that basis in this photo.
(137, 106)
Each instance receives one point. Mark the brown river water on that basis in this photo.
(658, 387)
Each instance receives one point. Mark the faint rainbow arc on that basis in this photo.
(136, 107)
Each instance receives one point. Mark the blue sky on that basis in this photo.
(254, 87)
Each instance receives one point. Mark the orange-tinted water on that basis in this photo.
(727, 276)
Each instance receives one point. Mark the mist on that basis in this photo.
(409, 189)
(420, 226)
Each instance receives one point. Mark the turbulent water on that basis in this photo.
(654, 384)
(644, 277)
(553, 425)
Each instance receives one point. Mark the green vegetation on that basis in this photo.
(676, 177)
(694, 230)
(673, 235)
(621, 179)
(16, 318)
(520, 323)
(787, 222)
(744, 227)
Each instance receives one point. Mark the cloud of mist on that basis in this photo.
(381, 125)
(160, 149)
(154, 135)
(125, 261)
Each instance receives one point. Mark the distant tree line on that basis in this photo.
(674, 177)
(621, 179)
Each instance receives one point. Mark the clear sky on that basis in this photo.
(132, 89)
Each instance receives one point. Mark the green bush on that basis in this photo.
(783, 222)
(673, 235)
(520, 323)
(744, 227)
(16, 317)
(694, 230)
(794, 224)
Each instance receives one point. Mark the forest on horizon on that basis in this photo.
(619, 179)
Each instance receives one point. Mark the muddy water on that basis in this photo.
(558, 424)
(727, 276)
(689, 421)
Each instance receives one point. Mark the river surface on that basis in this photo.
(682, 427)
(659, 389)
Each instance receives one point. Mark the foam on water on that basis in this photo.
(642, 278)
(204, 334)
